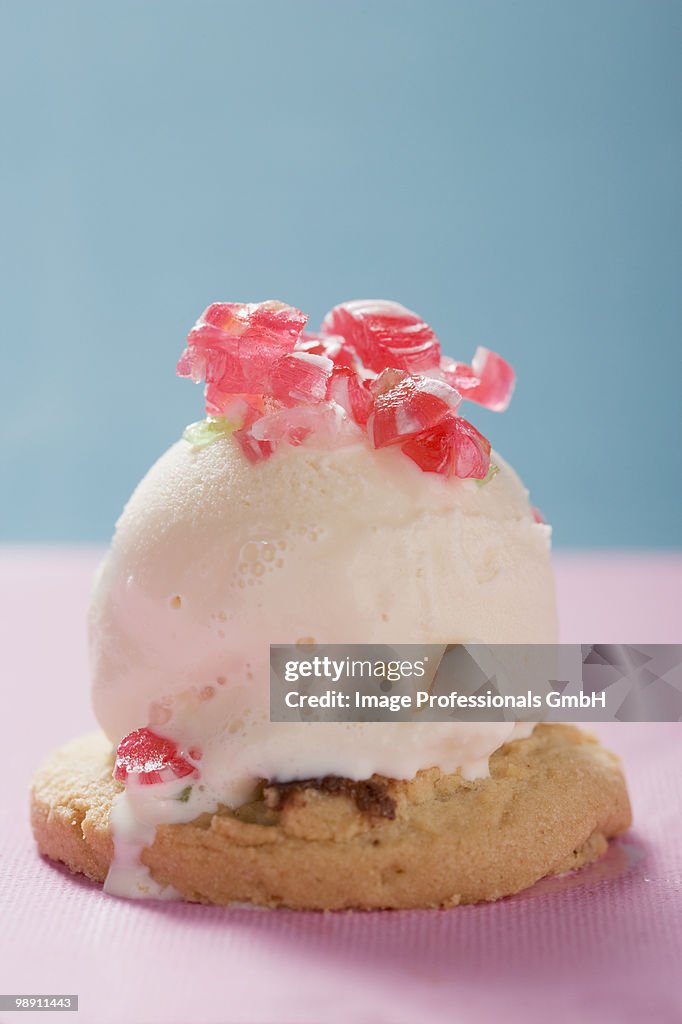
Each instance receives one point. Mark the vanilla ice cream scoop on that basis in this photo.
(215, 558)
(334, 495)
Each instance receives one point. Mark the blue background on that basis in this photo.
(510, 170)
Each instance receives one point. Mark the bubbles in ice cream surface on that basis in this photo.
(257, 556)
(375, 370)
(256, 559)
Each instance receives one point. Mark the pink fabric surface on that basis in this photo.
(603, 945)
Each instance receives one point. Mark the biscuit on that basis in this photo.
(550, 805)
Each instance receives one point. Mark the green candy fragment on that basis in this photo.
(492, 470)
(183, 797)
(205, 432)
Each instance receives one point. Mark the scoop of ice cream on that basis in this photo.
(215, 558)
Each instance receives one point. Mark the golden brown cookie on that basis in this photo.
(550, 805)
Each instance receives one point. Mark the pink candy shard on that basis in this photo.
(328, 345)
(385, 334)
(351, 393)
(239, 410)
(300, 377)
(408, 407)
(326, 421)
(537, 514)
(453, 447)
(375, 368)
(234, 345)
(254, 449)
(150, 758)
(489, 380)
(386, 380)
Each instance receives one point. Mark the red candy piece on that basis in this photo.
(326, 345)
(385, 334)
(225, 325)
(297, 435)
(240, 410)
(149, 758)
(537, 514)
(351, 393)
(453, 447)
(386, 380)
(489, 380)
(408, 407)
(311, 341)
(278, 383)
(327, 422)
(254, 449)
(300, 377)
(234, 345)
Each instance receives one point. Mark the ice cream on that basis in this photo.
(370, 517)
(214, 559)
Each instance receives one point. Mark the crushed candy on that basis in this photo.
(234, 345)
(326, 345)
(408, 407)
(254, 449)
(351, 392)
(375, 368)
(327, 421)
(384, 335)
(489, 380)
(148, 758)
(300, 377)
(238, 409)
(453, 447)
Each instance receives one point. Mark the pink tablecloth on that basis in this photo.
(604, 945)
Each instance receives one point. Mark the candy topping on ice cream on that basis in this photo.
(375, 367)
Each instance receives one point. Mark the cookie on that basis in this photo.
(550, 805)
